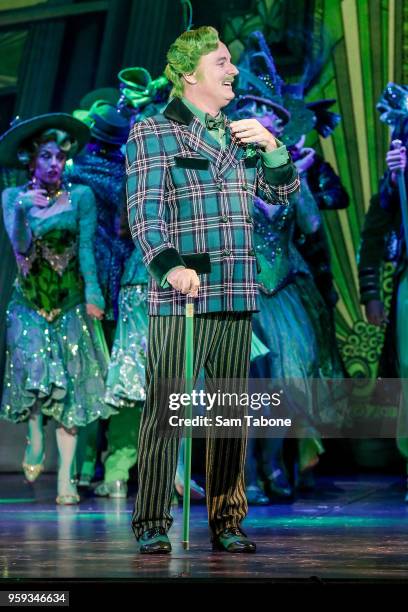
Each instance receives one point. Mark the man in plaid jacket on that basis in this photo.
(191, 179)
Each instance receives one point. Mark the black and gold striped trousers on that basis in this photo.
(222, 347)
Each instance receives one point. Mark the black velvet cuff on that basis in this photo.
(283, 175)
(200, 262)
(163, 263)
(170, 258)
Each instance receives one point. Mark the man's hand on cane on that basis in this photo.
(396, 159)
(184, 280)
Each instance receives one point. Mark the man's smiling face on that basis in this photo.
(215, 74)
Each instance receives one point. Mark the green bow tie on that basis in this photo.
(215, 123)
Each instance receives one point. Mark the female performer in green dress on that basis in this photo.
(55, 364)
(125, 382)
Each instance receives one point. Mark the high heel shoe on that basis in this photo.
(196, 492)
(277, 486)
(255, 496)
(84, 481)
(32, 471)
(67, 499)
(309, 452)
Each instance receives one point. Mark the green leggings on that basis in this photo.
(122, 437)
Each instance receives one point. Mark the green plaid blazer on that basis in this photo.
(190, 203)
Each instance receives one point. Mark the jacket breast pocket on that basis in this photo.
(192, 163)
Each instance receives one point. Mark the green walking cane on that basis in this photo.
(189, 371)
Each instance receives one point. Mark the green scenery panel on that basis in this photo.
(368, 40)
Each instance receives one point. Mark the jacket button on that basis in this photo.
(226, 252)
(245, 187)
(224, 219)
(248, 219)
(219, 186)
(251, 252)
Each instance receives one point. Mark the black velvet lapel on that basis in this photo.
(177, 111)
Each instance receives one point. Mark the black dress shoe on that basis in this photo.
(154, 541)
(233, 540)
(277, 487)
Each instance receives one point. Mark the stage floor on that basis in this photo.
(350, 528)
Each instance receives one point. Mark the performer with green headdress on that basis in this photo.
(384, 239)
(295, 319)
(55, 364)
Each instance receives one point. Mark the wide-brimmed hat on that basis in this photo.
(22, 131)
(109, 94)
(105, 122)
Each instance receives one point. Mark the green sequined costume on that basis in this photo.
(54, 359)
(125, 382)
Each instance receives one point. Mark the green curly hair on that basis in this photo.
(185, 53)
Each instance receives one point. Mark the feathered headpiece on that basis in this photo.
(259, 78)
